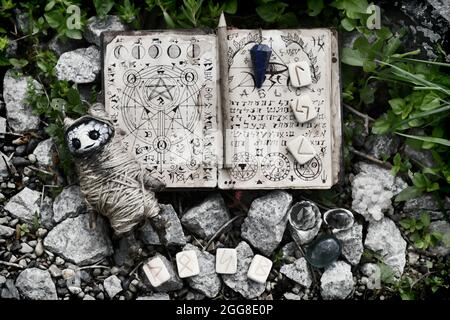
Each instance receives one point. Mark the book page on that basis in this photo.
(259, 122)
(161, 92)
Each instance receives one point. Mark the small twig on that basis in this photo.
(40, 170)
(422, 277)
(370, 158)
(364, 116)
(94, 267)
(135, 268)
(10, 264)
(222, 228)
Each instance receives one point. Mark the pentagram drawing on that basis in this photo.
(160, 90)
(310, 170)
(275, 166)
(244, 166)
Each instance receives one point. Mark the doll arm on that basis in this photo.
(151, 182)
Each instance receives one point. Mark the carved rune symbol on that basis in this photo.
(185, 261)
(304, 150)
(298, 74)
(299, 108)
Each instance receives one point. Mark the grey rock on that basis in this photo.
(171, 230)
(298, 272)
(2, 280)
(45, 152)
(61, 45)
(36, 284)
(155, 296)
(372, 276)
(95, 26)
(380, 146)
(46, 213)
(421, 157)
(442, 7)
(80, 66)
(2, 127)
(25, 248)
(69, 203)
(126, 252)
(4, 164)
(337, 281)
(266, 221)
(22, 21)
(384, 238)
(442, 227)
(18, 112)
(239, 282)
(372, 190)
(76, 242)
(112, 286)
(10, 291)
(6, 232)
(206, 219)
(291, 296)
(24, 205)
(88, 297)
(207, 282)
(148, 235)
(289, 251)
(174, 283)
(352, 243)
(426, 203)
(55, 271)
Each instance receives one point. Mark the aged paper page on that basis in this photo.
(259, 122)
(161, 91)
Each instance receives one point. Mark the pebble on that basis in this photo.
(32, 158)
(26, 248)
(39, 249)
(55, 271)
(59, 261)
(41, 232)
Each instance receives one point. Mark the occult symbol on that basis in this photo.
(138, 52)
(161, 144)
(120, 52)
(131, 78)
(244, 166)
(275, 166)
(193, 51)
(189, 76)
(302, 109)
(310, 170)
(173, 51)
(154, 51)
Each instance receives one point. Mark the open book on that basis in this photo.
(189, 109)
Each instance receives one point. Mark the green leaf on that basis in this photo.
(54, 19)
(397, 105)
(315, 7)
(425, 219)
(430, 102)
(348, 24)
(18, 63)
(271, 12)
(230, 6)
(367, 94)
(444, 142)
(103, 7)
(168, 20)
(352, 57)
(408, 193)
(50, 5)
(74, 34)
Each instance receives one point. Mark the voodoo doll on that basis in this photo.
(114, 183)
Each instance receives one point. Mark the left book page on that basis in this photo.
(160, 90)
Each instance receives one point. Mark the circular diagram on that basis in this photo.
(173, 51)
(244, 166)
(310, 170)
(275, 166)
(156, 103)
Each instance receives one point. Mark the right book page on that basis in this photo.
(259, 123)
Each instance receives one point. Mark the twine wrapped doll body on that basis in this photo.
(114, 183)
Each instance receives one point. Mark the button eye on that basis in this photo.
(94, 134)
(76, 143)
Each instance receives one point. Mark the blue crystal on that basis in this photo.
(260, 54)
(323, 251)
